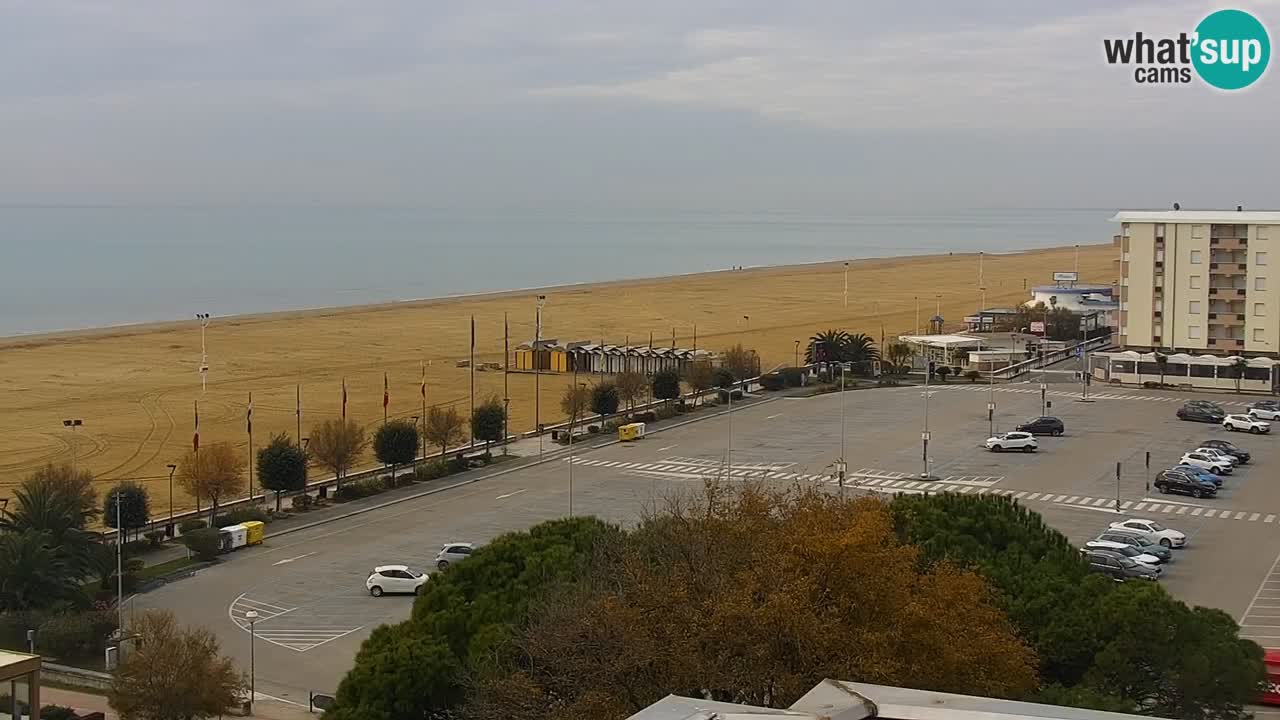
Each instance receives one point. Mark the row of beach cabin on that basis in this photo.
(588, 357)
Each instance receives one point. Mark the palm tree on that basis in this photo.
(1162, 362)
(35, 573)
(59, 503)
(1237, 370)
(827, 346)
(860, 350)
(899, 353)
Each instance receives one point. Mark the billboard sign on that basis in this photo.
(1066, 276)
(1037, 327)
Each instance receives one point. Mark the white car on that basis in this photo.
(1222, 455)
(394, 579)
(1152, 530)
(1128, 551)
(1246, 423)
(1265, 410)
(1026, 442)
(1207, 462)
(453, 552)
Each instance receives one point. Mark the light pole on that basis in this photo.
(252, 617)
(577, 387)
(73, 424)
(537, 372)
(204, 353)
(747, 318)
(841, 467)
(119, 565)
(172, 469)
(991, 402)
(415, 454)
(306, 462)
(924, 435)
(797, 353)
(917, 314)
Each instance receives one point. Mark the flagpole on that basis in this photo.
(695, 337)
(298, 412)
(506, 375)
(344, 398)
(423, 392)
(472, 365)
(386, 397)
(249, 429)
(195, 445)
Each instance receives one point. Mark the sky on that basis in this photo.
(819, 107)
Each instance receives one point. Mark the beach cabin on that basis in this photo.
(544, 355)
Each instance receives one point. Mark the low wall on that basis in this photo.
(75, 677)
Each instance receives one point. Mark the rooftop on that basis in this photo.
(941, 340)
(1224, 217)
(15, 664)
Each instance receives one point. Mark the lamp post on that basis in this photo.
(119, 565)
(537, 372)
(576, 387)
(252, 617)
(797, 353)
(747, 318)
(204, 353)
(842, 465)
(73, 424)
(306, 462)
(924, 435)
(172, 469)
(415, 453)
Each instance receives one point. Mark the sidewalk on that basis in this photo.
(84, 703)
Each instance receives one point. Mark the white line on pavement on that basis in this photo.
(510, 494)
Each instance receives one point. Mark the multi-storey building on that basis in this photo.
(1199, 282)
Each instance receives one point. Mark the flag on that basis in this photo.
(344, 398)
(473, 332)
(423, 389)
(386, 392)
(195, 438)
(248, 416)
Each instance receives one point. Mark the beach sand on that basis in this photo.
(135, 387)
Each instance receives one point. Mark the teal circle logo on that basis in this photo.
(1232, 49)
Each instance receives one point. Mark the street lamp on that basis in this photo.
(204, 353)
(120, 564)
(747, 318)
(252, 617)
(924, 435)
(797, 353)
(172, 469)
(537, 372)
(842, 465)
(576, 402)
(73, 424)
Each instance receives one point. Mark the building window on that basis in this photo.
(1193, 332)
(1259, 283)
(1197, 231)
(1259, 310)
(1195, 257)
(1159, 230)
(1195, 282)
(1260, 258)
(1124, 229)
(1194, 307)
(1159, 255)
(1259, 335)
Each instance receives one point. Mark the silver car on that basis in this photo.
(453, 552)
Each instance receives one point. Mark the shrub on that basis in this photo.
(203, 543)
(301, 503)
(238, 515)
(973, 375)
(187, 526)
(792, 376)
(772, 381)
(647, 416)
(70, 635)
(154, 537)
(360, 489)
(593, 429)
(459, 463)
(431, 470)
(136, 547)
(57, 712)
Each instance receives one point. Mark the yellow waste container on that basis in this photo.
(627, 433)
(255, 531)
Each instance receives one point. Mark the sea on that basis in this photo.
(68, 268)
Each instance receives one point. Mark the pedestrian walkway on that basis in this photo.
(84, 703)
(1064, 393)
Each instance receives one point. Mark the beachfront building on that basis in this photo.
(1197, 296)
(589, 357)
(19, 683)
(962, 352)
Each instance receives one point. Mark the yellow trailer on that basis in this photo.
(255, 532)
(630, 432)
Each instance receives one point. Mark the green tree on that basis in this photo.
(742, 362)
(443, 428)
(942, 371)
(174, 673)
(463, 620)
(722, 379)
(205, 543)
(1095, 648)
(699, 375)
(396, 443)
(60, 502)
(135, 507)
(666, 385)
(489, 421)
(604, 399)
(899, 355)
(826, 346)
(631, 387)
(282, 466)
(337, 444)
(1237, 368)
(860, 350)
(33, 573)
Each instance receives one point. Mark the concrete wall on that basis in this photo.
(1141, 280)
(1184, 330)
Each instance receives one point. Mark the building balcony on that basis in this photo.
(1228, 269)
(1226, 319)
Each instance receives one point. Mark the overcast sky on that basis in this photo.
(568, 106)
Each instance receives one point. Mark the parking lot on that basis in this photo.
(313, 610)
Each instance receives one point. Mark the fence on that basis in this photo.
(1049, 358)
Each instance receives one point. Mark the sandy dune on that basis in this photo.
(135, 387)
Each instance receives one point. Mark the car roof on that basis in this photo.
(456, 544)
(1105, 544)
(384, 568)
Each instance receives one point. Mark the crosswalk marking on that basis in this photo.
(1139, 507)
(1196, 512)
(1182, 510)
(1269, 518)
(1033, 496)
(1095, 396)
(1101, 502)
(1072, 499)
(1210, 513)
(1239, 516)
(1254, 517)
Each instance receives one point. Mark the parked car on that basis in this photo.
(1172, 481)
(1199, 473)
(1024, 441)
(1206, 404)
(1211, 463)
(1118, 567)
(1200, 413)
(1226, 445)
(1142, 542)
(1153, 530)
(453, 552)
(1043, 426)
(1246, 423)
(394, 579)
(1129, 551)
(1222, 455)
(1265, 410)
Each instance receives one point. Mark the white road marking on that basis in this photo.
(292, 559)
(1183, 510)
(1196, 512)
(1254, 517)
(1210, 513)
(1020, 495)
(664, 449)
(1033, 496)
(1269, 518)
(1072, 499)
(776, 415)
(510, 494)
(1239, 516)
(1102, 501)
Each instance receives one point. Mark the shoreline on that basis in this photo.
(145, 327)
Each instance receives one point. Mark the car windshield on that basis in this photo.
(414, 574)
(1125, 562)
(1157, 527)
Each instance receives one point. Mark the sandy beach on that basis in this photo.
(135, 387)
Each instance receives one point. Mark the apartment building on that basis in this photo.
(1199, 283)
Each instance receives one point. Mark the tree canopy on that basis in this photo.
(443, 427)
(337, 444)
(56, 503)
(396, 442)
(489, 421)
(213, 473)
(666, 385)
(740, 361)
(282, 466)
(631, 387)
(465, 614)
(135, 506)
(604, 399)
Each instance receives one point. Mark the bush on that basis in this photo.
(72, 635)
(973, 375)
(792, 376)
(235, 516)
(772, 381)
(57, 712)
(187, 526)
(431, 470)
(459, 463)
(647, 416)
(154, 537)
(301, 503)
(136, 547)
(204, 543)
(593, 429)
(359, 489)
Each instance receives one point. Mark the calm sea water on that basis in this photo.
(72, 267)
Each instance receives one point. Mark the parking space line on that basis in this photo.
(258, 603)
